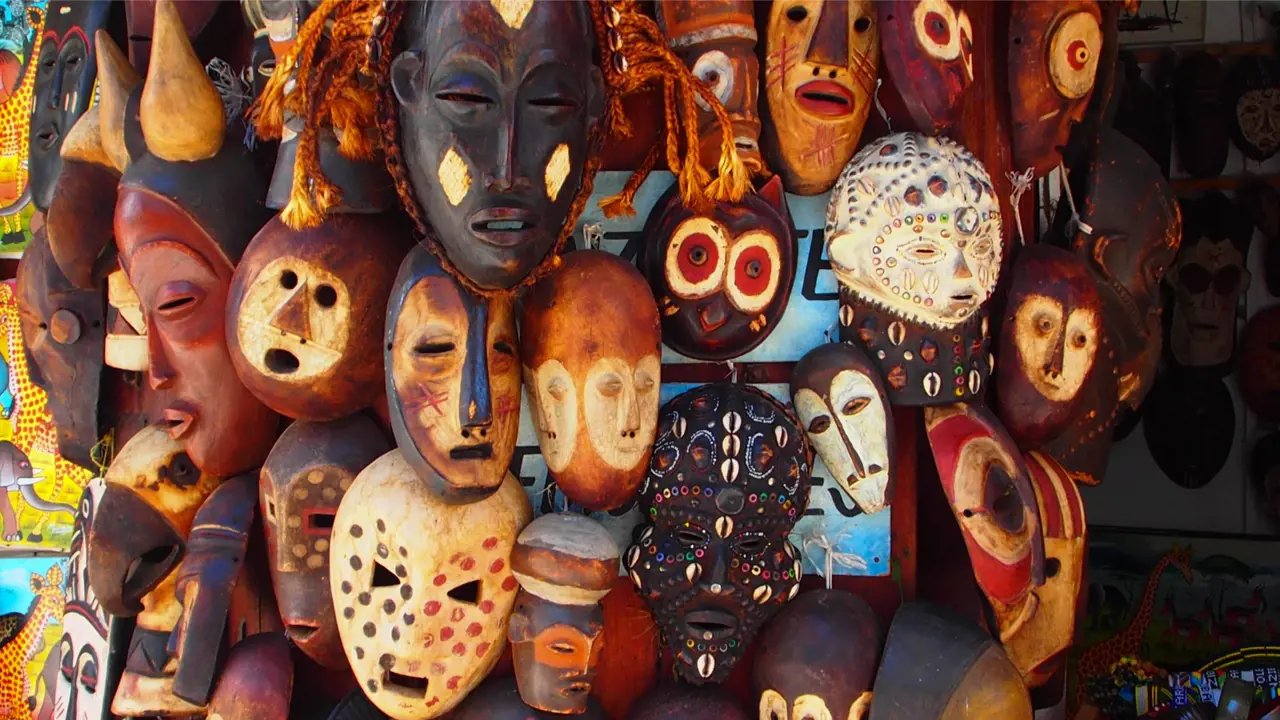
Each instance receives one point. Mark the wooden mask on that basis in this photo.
(1053, 60)
(1189, 426)
(728, 479)
(1259, 367)
(841, 401)
(301, 485)
(453, 380)
(498, 699)
(1208, 279)
(1136, 228)
(1253, 97)
(820, 78)
(1038, 649)
(717, 40)
(594, 386)
(928, 53)
(306, 310)
(189, 204)
(985, 480)
(677, 701)
(939, 665)
(63, 88)
(797, 679)
(63, 334)
(87, 669)
(422, 588)
(497, 105)
(565, 565)
(1050, 336)
(722, 279)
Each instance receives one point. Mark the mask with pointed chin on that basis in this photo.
(722, 280)
(928, 54)
(820, 76)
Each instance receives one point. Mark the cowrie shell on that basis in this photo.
(633, 555)
(897, 332)
(706, 665)
(724, 526)
(693, 571)
(780, 434)
(846, 315)
(975, 382)
(729, 470)
(732, 421)
(731, 444)
(795, 590)
(635, 580)
(932, 384)
(679, 426)
(762, 594)
(647, 534)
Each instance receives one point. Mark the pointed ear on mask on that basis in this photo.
(518, 629)
(774, 194)
(407, 76)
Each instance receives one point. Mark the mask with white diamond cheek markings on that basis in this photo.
(728, 478)
(913, 227)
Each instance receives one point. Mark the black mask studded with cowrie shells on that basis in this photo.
(728, 478)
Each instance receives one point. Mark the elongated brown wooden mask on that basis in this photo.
(717, 41)
(1054, 48)
(841, 401)
(497, 104)
(306, 310)
(1050, 337)
(928, 54)
(1135, 229)
(63, 331)
(422, 588)
(1208, 278)
(565, 565)
(800, 680)
(302, 482)
(820, 76)
(722, 279)
(593, 386)
(453, 380)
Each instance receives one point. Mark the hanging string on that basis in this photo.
(1021, 181)
(1077, 224)
(815, 538)
(880, 108)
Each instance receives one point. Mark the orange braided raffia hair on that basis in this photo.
(338, 74)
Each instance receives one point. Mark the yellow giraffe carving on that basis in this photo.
(15, 120)
(16, 692)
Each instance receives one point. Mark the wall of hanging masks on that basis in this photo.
(493, 358)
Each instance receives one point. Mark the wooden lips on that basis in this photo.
(593, 386)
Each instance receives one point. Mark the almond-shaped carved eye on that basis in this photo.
(820, 424)
(1073, 54)
(855, 406)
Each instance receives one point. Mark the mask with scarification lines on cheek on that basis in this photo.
(928, 54)
(722, 280)
(728, 479)
(820, 77)
(453, 379)
(422, 589)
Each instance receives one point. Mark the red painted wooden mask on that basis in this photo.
(1053, 60)
(722, 280)
(928, 53)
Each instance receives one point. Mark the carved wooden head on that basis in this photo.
(593, 385)
(928, 53)
(1253, 96)
(722, 279)
(453, 379)
(820, 73)
(497, 104)
(422, 589)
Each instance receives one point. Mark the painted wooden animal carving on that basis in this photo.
(928, 54)
(593, 385)
(820, 75)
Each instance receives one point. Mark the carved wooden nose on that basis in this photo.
(293, 316)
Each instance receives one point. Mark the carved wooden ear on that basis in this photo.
(518, 630)
(406, 71)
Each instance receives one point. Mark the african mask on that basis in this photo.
(1202, 135)
(1259, 366)
(453, 379)
(722, 280)
(302, 482)
(1135, 228)
(1038, 648)
(306, 309)
(565, 565)
(422, 588)
(1253, 104)
(939, 665)
(63, 335)
(63, 88)
(728, 479)
(1049, 338)
(826, 680)
(1053, 60)
(928, 54)
(913, 233)
(594, 386)
(717, 40)
(820, 76)
(498, 699)
(1208, 279)
(495, 125)
(85, 681)
(841, 401)
(985, 480)
(1189, 426)
(188, 206)
(677, 701)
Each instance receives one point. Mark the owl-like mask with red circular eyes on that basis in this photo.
(722, 279)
